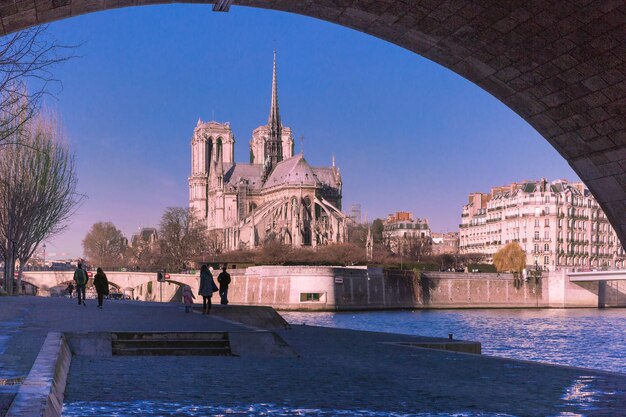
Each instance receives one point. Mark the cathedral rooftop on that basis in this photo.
(295, 170)
(250, 173)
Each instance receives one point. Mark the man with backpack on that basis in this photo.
(80, 277)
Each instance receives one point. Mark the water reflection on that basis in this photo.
(589, 338)
(7, 329)
(587, 393)
(581, 393)
(171, 409)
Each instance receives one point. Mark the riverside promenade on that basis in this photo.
(341, 370)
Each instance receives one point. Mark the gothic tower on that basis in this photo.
(273, 146)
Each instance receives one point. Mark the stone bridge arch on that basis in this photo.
(560, 65)
(45, 280)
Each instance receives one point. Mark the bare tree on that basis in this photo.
(473, 258)
(144, 251)
(37, 191)
(215, 242)
(182, 238)
(274, 252)
(357, 234)
(417, 246)
(25, 56)
(105, 245)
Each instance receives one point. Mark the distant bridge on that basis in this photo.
(593, 276)
(142, 285)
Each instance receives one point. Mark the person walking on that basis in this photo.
(70, 289)
(188, 298)
(80, 277)
(101, 283)
(224, 279)
(207, 288)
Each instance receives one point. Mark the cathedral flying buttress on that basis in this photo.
(278, 196)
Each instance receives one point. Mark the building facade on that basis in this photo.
(558, 224)
(445, 243)
(403, 234)
(277, 196)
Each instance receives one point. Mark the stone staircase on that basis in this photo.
(170, 344)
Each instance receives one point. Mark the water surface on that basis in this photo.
(589, 338)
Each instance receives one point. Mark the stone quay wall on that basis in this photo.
(477, 290)
(327, 288)
(322, 288)
(356, 288)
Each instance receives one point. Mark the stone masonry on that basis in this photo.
(561, 65)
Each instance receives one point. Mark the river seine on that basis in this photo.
(589, 338)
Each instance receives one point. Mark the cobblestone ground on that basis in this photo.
(336, 370)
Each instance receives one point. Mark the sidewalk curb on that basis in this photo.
(41, 393)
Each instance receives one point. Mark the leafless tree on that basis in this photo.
(182, 238)
(105, 245)
(37, 190)
(357, 234)
(473, 258)
(144, 252)
(215, 242)
(26, 56)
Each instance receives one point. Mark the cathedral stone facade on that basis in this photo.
(277, 196)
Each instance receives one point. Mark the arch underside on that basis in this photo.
(560, 65)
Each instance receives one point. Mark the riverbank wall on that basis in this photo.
(328, 288)
(370, 288)
(365, 288)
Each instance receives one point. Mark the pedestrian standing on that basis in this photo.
(207, 288)
(70, 289)
(188, 298)
(101, 283)
(80, 277)
(224, 279)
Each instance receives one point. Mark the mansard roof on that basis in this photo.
(295, 170)
(529, 187)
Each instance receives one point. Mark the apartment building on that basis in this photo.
(559, 225)
(401, 232)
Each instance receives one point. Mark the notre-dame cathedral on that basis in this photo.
(277, 196)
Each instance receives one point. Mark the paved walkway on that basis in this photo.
(336, 369)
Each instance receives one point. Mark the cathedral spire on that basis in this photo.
(274, 119)
(273, 146)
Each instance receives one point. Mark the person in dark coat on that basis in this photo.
(224, 279)
(81, 279)
(101, 283)
(207, 287)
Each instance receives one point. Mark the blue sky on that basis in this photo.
(407, 133)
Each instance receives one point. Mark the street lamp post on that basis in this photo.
(44, 255)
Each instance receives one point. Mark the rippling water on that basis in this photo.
(165, 409)
(589, 338)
